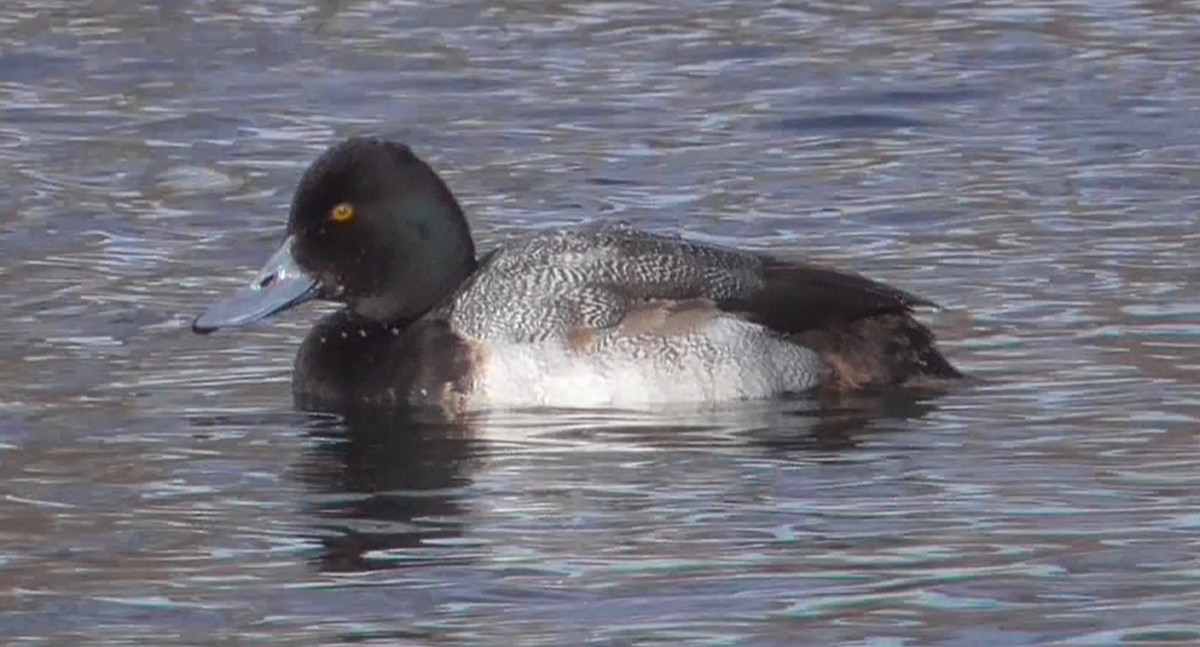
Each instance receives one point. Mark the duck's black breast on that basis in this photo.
(347, 360)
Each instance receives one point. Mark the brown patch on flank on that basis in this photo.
(581, 338)
(668, 318)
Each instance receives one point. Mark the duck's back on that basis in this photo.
(551, 283)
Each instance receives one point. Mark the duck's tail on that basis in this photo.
(892, 349)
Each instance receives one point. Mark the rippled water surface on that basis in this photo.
(1030, 165)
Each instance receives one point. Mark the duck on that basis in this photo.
(593, 315)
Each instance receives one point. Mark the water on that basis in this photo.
(1031, 166)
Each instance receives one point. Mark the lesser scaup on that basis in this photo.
(588, 316)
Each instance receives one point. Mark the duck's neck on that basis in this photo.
(442, 256)
(442, 249)
(436, 255)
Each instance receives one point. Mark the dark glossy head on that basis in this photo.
(372, 226)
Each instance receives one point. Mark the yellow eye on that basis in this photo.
(342, 213)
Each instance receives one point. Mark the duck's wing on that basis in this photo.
(786, 296)
(595, 276)
(795, 297)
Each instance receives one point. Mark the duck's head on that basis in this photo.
(371, 226)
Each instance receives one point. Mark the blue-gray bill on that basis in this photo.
(280, 285)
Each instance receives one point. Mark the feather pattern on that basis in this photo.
(593, 276)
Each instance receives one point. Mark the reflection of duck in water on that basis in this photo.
(386, 482)
(592, 316)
